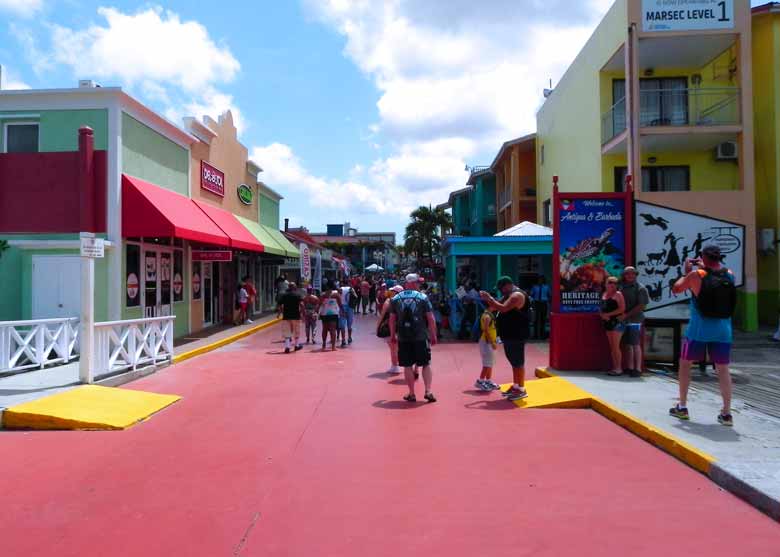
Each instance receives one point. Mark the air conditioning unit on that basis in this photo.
(726, 151)
(87, 84)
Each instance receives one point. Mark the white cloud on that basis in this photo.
(456, 78)
(171, 61)
(11, 81)
(24, 8)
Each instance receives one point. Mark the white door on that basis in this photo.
(56, 286)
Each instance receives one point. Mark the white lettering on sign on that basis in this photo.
(92, 247)
(212, 179)
(687, 15)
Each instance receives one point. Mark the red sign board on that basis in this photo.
(212, 255)
(212, 179)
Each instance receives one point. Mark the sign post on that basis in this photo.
(591, 242)
(305, 262)
(91, 248)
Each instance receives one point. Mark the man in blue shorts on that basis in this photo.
(709, 330)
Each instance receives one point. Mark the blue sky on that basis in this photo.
(358, 110)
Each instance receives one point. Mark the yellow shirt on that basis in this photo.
(487, 324)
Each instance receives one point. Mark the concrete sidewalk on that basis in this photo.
(747, 456)
(32, 385)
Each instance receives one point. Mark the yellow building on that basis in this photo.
(664, 93)
(766, 106)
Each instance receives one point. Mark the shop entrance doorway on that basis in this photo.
(211, 293)
(158, 270)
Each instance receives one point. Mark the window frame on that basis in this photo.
(653, 175)
(6, 125)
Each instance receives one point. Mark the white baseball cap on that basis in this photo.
(397, 288)
(412, 277)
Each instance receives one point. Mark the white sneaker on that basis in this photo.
(393, 370)
(249, 321)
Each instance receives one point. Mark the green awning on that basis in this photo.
(265, 236)
(281, 239)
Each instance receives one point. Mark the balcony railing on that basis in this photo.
(676, 107)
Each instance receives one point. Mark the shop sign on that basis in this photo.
(685, 15)
(305, 262)
(245, 194)
(212, 255)
(178, 284)
(132, 286)
(92, 247)
(212, 179)
(591, 239)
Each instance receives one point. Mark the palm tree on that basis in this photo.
(424, 232)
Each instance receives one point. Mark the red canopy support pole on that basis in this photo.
(86, 180)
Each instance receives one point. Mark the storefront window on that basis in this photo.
(132, 276)
(196, 278)
(178, 276)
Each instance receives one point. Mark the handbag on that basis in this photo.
(383, 330)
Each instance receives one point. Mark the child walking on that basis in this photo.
(487, 350)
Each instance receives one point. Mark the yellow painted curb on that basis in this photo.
(681, 450)
(222, 342)
(87, 407)
(553, 392)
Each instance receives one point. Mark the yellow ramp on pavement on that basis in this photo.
(87, 407)
(553, 392)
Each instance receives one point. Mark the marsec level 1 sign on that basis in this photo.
(687, 15)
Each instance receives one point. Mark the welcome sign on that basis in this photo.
(687, 15)
(591, 234)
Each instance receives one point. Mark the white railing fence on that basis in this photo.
(35, 344)
(123, 345)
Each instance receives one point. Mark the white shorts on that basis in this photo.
(487, 353)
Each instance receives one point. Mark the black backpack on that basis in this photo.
(718, 295)
(409, 322)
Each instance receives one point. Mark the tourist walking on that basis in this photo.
(636, 299)
(709, 330)
(330, 310)
(383, 328)
(348, 294)
(540, 294)
(512, 324)
(252, 296)
(365, 288)
(291, 309)
(612, 307)
(311, 305)
(413, 327)
(487, 351)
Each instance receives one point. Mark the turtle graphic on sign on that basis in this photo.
(178, 283)
(132, 286)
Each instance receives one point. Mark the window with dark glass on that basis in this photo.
(547, 216)
(196, 280)
(658, 178)
(132, 276)
(21, 138)
(178, 276)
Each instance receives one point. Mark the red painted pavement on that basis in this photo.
(314, 454)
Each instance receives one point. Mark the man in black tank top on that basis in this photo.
(512, 325)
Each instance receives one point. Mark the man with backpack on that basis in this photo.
(349, 302)
(413, 327)
(513, 324)
(709, 330)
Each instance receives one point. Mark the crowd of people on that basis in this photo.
(412, 313)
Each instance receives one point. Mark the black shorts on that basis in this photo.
(515, 352)
(415, 352)
(329, 319)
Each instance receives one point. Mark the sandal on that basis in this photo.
(410, 398)
(429, 397)
(614, 373)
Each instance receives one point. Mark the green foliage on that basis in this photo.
(3, 247)
(422, 235)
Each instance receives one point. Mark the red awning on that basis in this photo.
(240, 237)
(149, 210)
